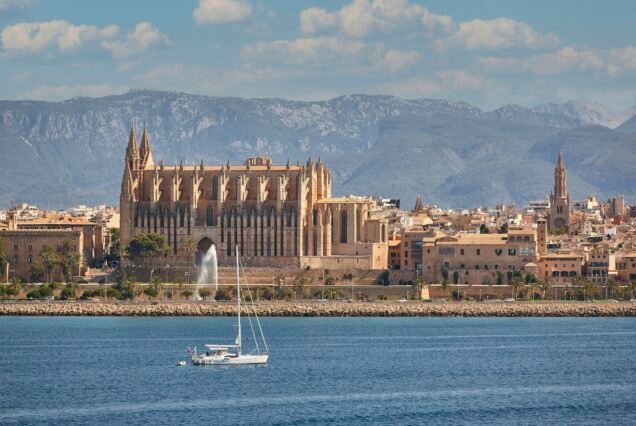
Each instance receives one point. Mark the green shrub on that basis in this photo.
(33, 294)
(151, 291)
(223, 294)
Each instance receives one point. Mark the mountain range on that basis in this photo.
(57, 154)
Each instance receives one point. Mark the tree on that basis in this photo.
(383, 279)
(515, 283)
(504, 228)
(15, 287)
(49, 259)
(68, 258)
(36, 273)
(546, 285)
(189, 247)
(69, 292)
(614, 287)
(148, 249)
(115, 246)
(444, 286)
(419, 285)
(483, 229)
(3, 259)
(186, 294)
(205, 292)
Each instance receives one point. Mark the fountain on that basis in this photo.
(208, 271)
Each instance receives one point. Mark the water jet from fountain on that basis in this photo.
(208, 271)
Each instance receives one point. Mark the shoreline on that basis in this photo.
(330, 309)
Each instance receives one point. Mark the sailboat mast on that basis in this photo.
(238, 294)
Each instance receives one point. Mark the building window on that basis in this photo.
(208, 216)
(406, 243)
(512, 252)
(461, 251)
(478, 252)
(15, 260)
(29, 259)
(30, 248)
(15, 247)
(343, 227)
(215, 188)
(406, 253)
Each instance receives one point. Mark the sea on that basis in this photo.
(349, 371)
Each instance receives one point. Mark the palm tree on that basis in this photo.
(515, 283)
(614, 287)
(444, 286)
(189, 247)
(546, 285)
(419, 284)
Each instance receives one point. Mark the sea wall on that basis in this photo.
(331, 309)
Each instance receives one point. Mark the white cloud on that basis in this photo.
(562, 60)
(317, 52)
(396, 60)
(221, 11)
(144, 37)
(410, 88)
(56, 93)
(462, 80)
(622, 59)
(613, 61)
(35, 37)
(363, 17)
(315, 20)
(498, 33)
(17, 4)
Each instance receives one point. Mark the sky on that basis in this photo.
(489, 52)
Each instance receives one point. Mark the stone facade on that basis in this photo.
(23, 248)
(277, 215)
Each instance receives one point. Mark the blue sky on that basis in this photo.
(489, 52)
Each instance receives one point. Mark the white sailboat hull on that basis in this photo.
(229, 359)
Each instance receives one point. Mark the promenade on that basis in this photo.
(326, 309)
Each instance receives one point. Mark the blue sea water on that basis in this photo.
(352, 371)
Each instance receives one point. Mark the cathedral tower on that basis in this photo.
(128, 188)
(559, 213)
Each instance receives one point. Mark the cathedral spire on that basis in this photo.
(131, 149)
(560, 185)
(127, 182)
(418, 204)
(145, 154)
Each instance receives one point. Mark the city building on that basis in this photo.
(277, 215)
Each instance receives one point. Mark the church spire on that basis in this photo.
(127, 182)
(560, 185)
(418, 204)
(145, 154)
(131, 149)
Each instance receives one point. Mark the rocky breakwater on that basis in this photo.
(332, 309)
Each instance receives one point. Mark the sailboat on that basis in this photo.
(233, 354)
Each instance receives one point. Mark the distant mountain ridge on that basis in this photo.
(61, 153)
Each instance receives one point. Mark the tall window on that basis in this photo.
(208, 216)
(215, 188)
(343, 226)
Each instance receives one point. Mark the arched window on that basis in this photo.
(215, 188)
(29, 259)
(208, 216)
(343, 227)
